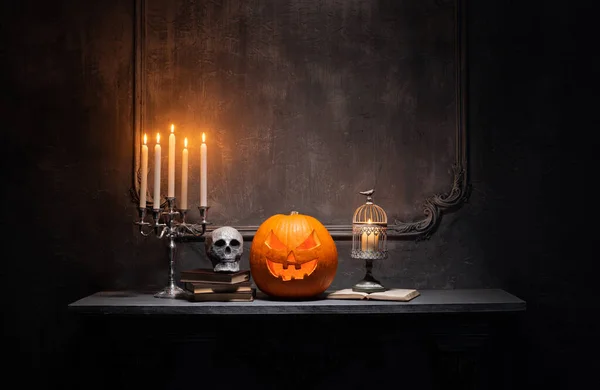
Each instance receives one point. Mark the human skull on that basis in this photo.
(224, 247)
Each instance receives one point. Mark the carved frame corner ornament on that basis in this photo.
(433, 207)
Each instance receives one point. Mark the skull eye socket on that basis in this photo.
(234, 243)
(219, 243)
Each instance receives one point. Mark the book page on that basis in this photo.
(346, 293)
(394, 294)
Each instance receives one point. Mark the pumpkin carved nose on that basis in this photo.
(291, 259)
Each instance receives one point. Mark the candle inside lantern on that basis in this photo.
(184, 175)
(363, 241)
(171, 173)
(157, 173)
(203, 173)
(144, 169)
(375, 241)
(369, 241)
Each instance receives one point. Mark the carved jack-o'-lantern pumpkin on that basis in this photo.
(293, 256)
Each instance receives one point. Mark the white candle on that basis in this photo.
(184, 176)
(364, 242)
(157, 173)
(369, 241)
(203, 172)
(144, 182)
(171, 173)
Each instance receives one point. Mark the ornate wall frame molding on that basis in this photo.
(433, 207)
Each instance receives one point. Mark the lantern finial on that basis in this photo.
(369, 194)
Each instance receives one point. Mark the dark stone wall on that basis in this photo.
(529, 97)
(67, 84)
(67, 113)
(306, 103)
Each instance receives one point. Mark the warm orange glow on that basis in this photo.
(369, 221)
(157, 138)
(290, 270)
(185, 142)
(172, 128)
(295, 264)
(203, 138)
(293, 256)
(145, 139)
(273, 243)
(310, 243)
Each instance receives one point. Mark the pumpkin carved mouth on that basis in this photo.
(291, 271)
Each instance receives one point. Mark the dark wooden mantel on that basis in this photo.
(150, 340)
(430, 301)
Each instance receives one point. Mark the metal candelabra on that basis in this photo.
(169, 222)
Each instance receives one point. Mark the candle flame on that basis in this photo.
(145, 139)
(172, 128)
(369, 221)
(157, 138)
(203, 138)
(185, 142)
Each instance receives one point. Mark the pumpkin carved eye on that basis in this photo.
(311, 242)
(305, 252)
(273, 243)
(278, 252)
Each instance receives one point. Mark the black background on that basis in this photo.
(67, 114)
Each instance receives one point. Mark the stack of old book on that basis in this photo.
(207, 285)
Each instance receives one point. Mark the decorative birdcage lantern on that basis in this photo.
(369, 240)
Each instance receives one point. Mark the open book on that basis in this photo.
(393, 294)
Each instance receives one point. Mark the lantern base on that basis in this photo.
(368, 285)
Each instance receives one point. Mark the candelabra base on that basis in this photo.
(172, 292)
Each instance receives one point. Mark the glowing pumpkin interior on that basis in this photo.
(291, 264)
